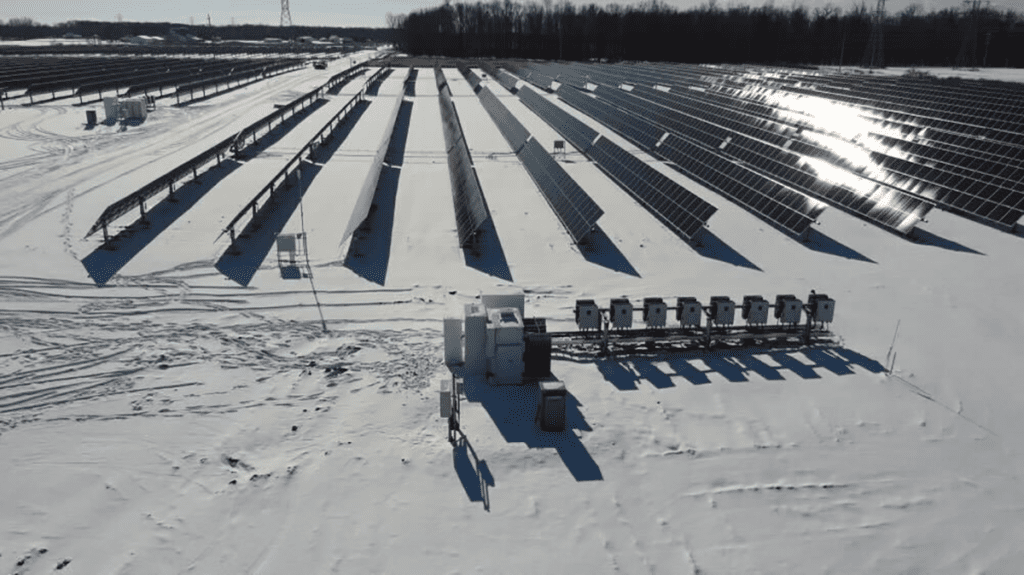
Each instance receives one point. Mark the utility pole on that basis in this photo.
(967, 57)
(286, 14)
(874, 53)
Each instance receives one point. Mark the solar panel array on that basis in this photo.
(783, 207)
(470, 206)
(579, 134)
(510, 127)
(573, 207)
(884, 147)
(767, 152)
(679, 209)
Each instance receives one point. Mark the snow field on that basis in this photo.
(147, 427)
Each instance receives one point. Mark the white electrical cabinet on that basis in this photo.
(452, 341)
(476, 340)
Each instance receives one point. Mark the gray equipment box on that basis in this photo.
(588, 316)
(822, 307)
(655, 312)
(622, 313)
(551, 406)
(788, 308)
(755, 309)
(723, 310)
(688, 311)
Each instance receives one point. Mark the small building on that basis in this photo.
(142, 40)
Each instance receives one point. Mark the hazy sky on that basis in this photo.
(317, 12)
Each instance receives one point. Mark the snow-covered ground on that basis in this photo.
(173, 421)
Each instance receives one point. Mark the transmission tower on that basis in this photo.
(874, 53)
(967, 57)
(286, 14)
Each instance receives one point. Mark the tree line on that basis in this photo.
(26, 28)
(768, 34)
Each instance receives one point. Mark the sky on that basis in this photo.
(311, 12)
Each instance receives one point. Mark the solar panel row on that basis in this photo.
(810, 173)
(471, 210)
(579, 134)
(509, 126)
(787, 209)
(573, 207)
(679, 209)
(958, 166)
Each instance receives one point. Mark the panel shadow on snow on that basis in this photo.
(369, 251)
(711, 246)
(242, 260)
(487, 254)
(105, 262)
(513, 410)
(736, 365)
(601, 250)
(927, 238)
(819, 242)
(110, 258)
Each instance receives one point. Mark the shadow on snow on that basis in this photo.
(735, 365)
(110, 258)
(513, 410)
(369, 251)
(243, 260)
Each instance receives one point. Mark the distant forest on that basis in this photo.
(711, 34)
(25, 29)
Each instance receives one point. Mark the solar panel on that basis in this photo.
(573, 207)
(679, 209)
(783, 207)
(507, 81)
(579, 134)
(643, 134)
(471, 210)
(883, 205)
(509, 126)
(952, 143)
